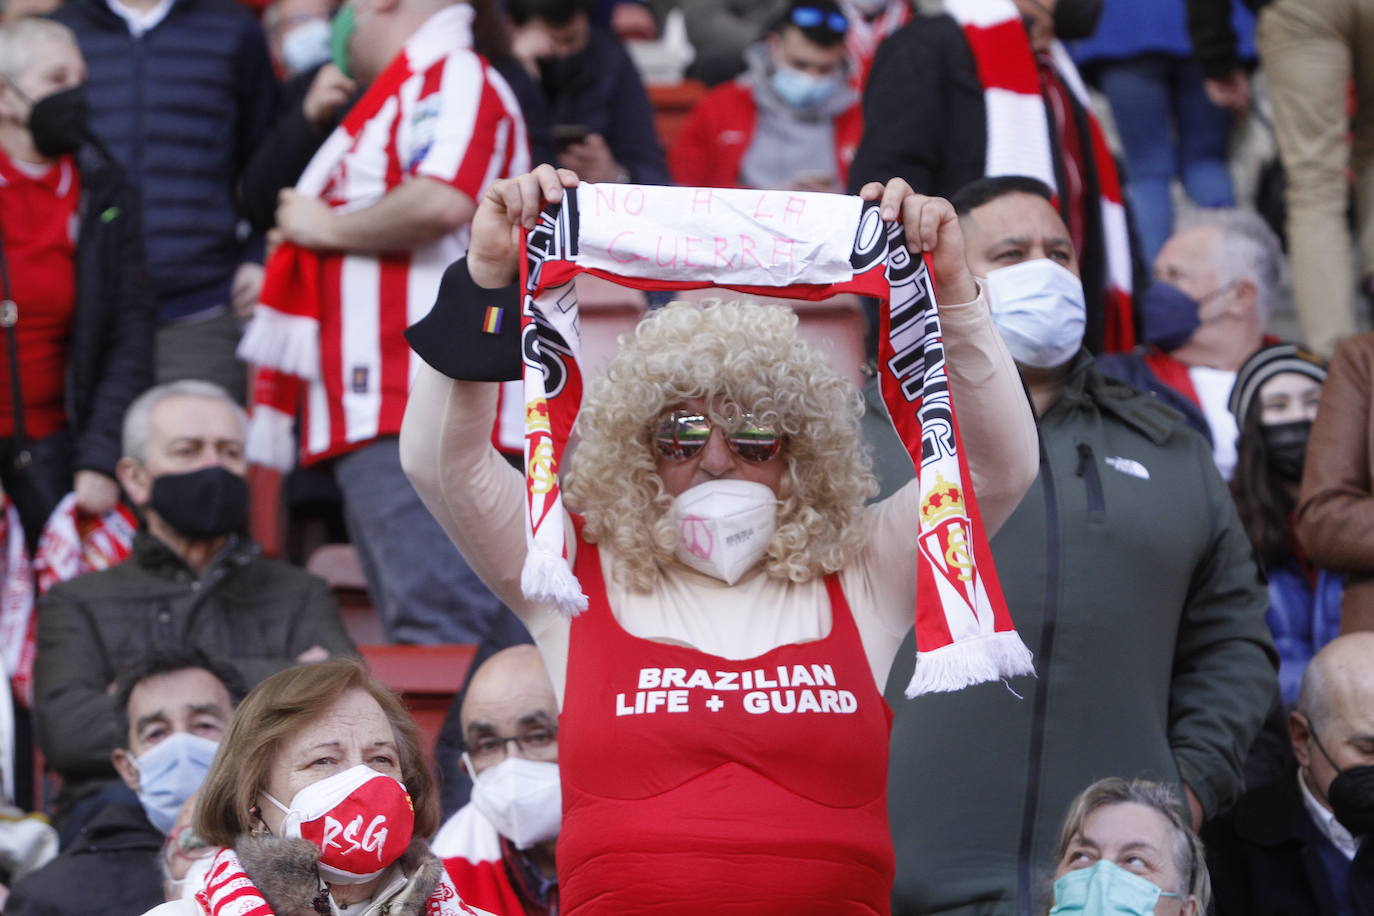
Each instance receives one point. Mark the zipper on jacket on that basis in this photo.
(1044, 660)
(1092, 480)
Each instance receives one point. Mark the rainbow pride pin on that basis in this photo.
(491, 324)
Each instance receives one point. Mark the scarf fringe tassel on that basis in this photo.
(970, 661)
(547, 579)
(271, 440)
(287, 343)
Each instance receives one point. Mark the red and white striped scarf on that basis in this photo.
(1019, 137)
(17, 620)
(70, 545)
(780, 244)
(228, 891)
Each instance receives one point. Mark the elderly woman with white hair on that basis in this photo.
(724, 738)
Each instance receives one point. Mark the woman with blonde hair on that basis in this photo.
(1126, 848)
(723, 738)
(319, 801)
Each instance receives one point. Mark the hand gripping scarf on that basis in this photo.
(778, 244)
(228, 891)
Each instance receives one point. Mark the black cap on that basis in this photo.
(472, 334)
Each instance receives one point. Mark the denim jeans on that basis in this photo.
(1168, 129)
(424, 591)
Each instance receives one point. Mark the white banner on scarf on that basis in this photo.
(740, 237)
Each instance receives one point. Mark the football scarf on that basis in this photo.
(18, 623)
(72, 544)
(228, 891)
(1019, 142)
(766, 244)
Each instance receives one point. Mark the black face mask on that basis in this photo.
(1076, 19)
(1352, 799)
(58, 122)
(208, 503)
(1351, 794)
(1286, 446)
(557, 74)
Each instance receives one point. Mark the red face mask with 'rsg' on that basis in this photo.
(360, 819)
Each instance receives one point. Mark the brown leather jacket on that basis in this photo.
(1335, 519)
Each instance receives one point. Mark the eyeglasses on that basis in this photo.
(809, 17)
(535, 744)
(682, 435)
(181, 841)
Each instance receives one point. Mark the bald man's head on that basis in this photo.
(1333, 726)
(510, 696)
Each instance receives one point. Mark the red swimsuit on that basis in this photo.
(693, 783)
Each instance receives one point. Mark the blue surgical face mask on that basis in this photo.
(1169, 316)
(170, 773)
(800, 89)
(1038, 309)
(1105, 889)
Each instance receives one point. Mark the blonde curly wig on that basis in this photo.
(736, 356)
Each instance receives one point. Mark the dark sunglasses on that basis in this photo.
(809, 17)
(682, 435)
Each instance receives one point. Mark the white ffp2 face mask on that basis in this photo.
(1038, 309)
(522, 798)
(723, 526)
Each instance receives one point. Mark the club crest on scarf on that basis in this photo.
(973, 640)
(798, 245)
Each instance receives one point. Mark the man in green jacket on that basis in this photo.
(193, 581)
(1128, 575)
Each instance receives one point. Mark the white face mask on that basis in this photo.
(522, 798)
(723, 526)
(305, 46)
(1038, 309)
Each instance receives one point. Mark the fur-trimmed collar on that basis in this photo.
(286, 872)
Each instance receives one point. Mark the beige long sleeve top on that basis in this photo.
(478, 499)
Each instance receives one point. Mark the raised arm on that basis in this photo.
(446, 446)
(995, 419)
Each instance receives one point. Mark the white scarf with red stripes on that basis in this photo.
(780, 244)
(71, 544)
(228, 891)
(1018, 135)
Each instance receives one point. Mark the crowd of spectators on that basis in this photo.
(218, 219)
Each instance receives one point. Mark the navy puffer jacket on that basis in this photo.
(181, 108)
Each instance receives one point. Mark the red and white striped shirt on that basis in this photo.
(451, 118)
